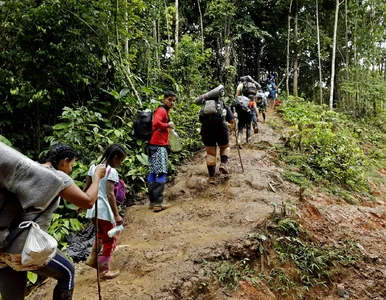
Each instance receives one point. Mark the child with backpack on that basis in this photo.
(108, 214)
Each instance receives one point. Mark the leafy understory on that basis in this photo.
(286, 259)
(331, 148)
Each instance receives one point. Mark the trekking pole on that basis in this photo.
(237, 140)
(97, 247)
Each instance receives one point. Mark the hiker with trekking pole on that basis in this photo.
(214, 117)
(236, 125)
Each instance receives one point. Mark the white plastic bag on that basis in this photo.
(39, 246)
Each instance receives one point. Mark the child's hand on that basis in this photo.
(118, 220)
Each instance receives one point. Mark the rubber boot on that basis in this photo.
(92, 260)
(152, 186)
(104, 267)
(62, 295)
(156, 195)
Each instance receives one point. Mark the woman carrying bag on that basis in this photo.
(59, 161)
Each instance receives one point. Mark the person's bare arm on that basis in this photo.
(83, 199)
(88, 183)
(113, 202)
(256, 109)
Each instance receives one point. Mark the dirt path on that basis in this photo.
(159, 251)
(160, 254)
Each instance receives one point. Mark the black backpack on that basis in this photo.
(249, 88)
(213, 111)
(142, 127)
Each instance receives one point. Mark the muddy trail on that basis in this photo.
(160, 255)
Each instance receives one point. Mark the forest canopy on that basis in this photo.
(79, 71)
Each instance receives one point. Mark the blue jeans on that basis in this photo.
(13, 283)
(254, 120)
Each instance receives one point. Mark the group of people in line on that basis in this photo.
(215, 131)
(99, 189)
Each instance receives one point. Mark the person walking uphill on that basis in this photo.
(214, 116)
(32, 193)
(108, 215)
(158, 152)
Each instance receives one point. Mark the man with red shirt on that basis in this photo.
(158, 154)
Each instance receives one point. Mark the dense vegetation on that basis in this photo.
(78, 72)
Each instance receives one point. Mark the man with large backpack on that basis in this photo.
(247, 86)
(214, 116)
(246, 90)
(244, 116)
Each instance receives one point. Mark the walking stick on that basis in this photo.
(97, 247)
(237, 140)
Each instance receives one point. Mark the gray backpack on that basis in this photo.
(213, 111)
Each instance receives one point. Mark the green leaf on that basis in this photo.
(5, 141)
(142, 158)
(60, 126)
(32, 277)
(124, 92)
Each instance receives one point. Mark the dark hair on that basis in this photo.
(59, 152)
(168, 94)
(112, 150)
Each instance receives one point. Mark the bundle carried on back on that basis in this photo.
(33, 184)
(213, 110)
(24, 184)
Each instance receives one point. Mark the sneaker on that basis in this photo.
(212, 180)
(256, 130)
(158, 208)
(223, 169)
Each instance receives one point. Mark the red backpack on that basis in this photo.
(119, 190)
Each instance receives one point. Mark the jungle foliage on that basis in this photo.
(331, 148)
(78, 72)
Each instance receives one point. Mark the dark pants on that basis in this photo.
(13, 283)
(245, 119)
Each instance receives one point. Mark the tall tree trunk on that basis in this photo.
(201, 25)
(296, 51)
(319, 60)
(357, 105)
(127, 29)
(155, 37)
(258, 57)
(348, 95)
(333, 55)
(167, 23)
(346, 37)
(288, 48)
(177, 25)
